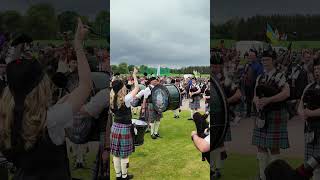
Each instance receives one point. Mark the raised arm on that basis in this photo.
(80, 94)
(135, 91)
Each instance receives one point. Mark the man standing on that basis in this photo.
(151, 115)
(252, 70)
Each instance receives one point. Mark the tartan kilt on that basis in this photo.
(275, 135)
(121, 140)
(151, 114)
(312, 149)
(195, 104)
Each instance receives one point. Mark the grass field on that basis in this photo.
(245, 167)
(295, 44)
(171, 157)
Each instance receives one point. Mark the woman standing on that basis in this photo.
(270, 132)
(121, 130)
(32, 134)
(309, 110)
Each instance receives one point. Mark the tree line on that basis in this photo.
(42, 22)
(297, 27)
(124, 68)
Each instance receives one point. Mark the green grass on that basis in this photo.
(171, 157)
(245, 167)
(295, 44)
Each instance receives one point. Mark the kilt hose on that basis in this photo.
(275, 134)
(195, 103)
(121, 140)
(312, 149)
(151, 114)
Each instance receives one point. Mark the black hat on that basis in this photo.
(216, 58)
(316, 62)
(269, 53)
(117, 85)
(23, 76)
(21, 39)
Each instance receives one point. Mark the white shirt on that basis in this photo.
(207, 139)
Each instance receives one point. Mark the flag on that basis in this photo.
(271, 35)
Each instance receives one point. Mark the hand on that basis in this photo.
(307, 113)
(135, 71)
(81, 31)
(263, 102)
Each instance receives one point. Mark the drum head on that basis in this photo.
(220, 121)
(139, 122)
(160, 98)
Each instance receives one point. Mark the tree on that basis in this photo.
(123, 68)
(67, 21)
(102, 23)
(12, 21)
(41, 22)
(130, 67)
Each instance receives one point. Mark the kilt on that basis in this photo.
(121, 140)
(151, 114)
(275, 135)
(312, 149)
(195, 104)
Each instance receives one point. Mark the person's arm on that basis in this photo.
(201, 144)
(135, 91)
(80, 94)
(235, 97)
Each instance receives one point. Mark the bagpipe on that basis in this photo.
(202, 126)
(280, 169)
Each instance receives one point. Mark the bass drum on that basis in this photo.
(220, 116)
(87, 129)
(165, 97)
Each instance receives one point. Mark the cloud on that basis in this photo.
(171, 33)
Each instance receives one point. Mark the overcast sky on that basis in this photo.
(84, 7)
(172, 33)
(223, 10)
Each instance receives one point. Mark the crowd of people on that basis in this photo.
(269, 87)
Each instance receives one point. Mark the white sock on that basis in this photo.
(117, 166)
(217, 158)
(176, 112)
(316, 174)
(152, 128)
(157, 125)
(263, 162)
(124, 167)
(192, 112)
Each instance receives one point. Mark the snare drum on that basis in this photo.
(165, 97)
(139, 131)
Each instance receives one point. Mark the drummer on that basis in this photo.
(151, 115)
(121, 136)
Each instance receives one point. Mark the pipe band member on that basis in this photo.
(270, 132)
(195, 98)
(151, 115)
(121, 130)
(308, 110)
(32, 132)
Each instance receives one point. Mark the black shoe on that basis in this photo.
(129, 176)
(153, 136)
(224, 155)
